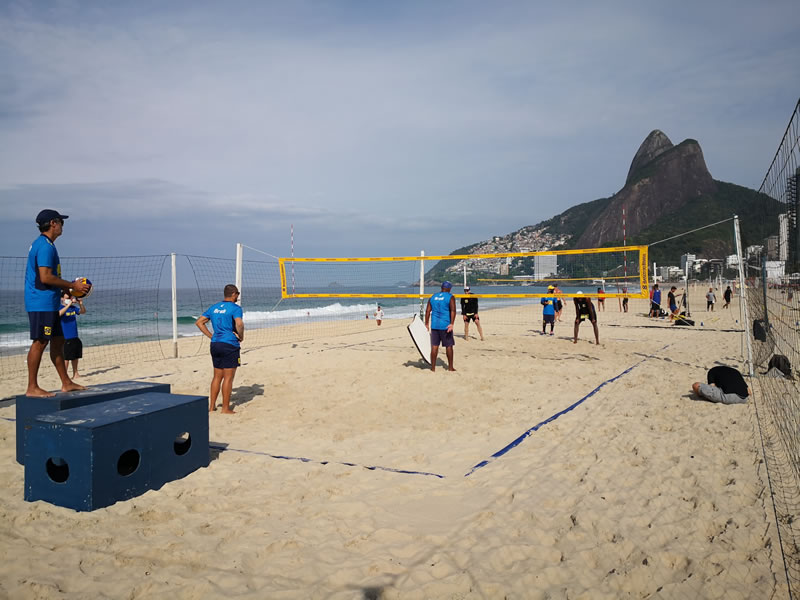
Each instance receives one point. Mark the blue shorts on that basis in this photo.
(443, 337)
(225, 356)
(45, 325)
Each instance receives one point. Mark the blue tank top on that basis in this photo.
(440, 310)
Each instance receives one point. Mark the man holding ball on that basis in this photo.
(43, 285)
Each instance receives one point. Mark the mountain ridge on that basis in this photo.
(668, 191)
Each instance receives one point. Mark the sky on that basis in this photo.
(369, 128)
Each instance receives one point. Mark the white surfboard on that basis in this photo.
(421, 337)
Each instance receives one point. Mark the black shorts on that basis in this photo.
(468, 318)
(225, 356)
(45, 325)
(549, 318)
(442, 337)
(73, 349)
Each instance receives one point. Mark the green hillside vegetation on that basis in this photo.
(758, 219)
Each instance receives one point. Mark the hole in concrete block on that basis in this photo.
(128, 462)
(182, 443)
(57, 469)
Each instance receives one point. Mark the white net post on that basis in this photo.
(421, 282)
(742, 300)
(174, 307)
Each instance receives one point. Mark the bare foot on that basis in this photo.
(574, 341)
(227, 411)
(433, 368)
(38, 392)
(451, 369)
(72, 387)
(76, 375)
(212, 408)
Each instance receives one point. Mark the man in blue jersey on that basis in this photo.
(549, 311)
(655, 301)
(43, 285)
(73, 346)
(226, 319)
(442, 306)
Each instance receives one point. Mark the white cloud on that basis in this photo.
(413, 115)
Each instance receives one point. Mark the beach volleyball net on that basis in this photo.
(145, 307)
(772, 296)
(610, 272)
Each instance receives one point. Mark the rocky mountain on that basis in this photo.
(668, 191)
(662, 179)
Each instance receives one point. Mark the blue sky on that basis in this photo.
(375, 128)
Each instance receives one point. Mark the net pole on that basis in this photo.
(465, 274)
(239, 272)
(742, 290)
(421, 280)
(291, 240)
(624, 256)
(174, 307)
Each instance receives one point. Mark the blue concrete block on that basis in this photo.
(93, 456)
(27, 408)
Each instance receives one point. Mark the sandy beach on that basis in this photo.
(539, 469)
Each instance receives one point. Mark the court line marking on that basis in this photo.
(572, 406)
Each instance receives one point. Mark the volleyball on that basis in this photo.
(77, 294)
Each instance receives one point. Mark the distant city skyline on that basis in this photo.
(375, 129)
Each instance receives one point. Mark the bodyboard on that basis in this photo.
(421, 337)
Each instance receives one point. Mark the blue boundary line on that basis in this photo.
(224, 448)
(498, 454)
(536, 427)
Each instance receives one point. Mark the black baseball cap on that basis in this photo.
(47, 215)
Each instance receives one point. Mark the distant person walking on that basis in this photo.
(73, 346)
(601, 300)
(442, 308)
(549, 310)
(710, 300)
(584, 309)
(469, 311)
(226, 319)
(727, 295)
(655, 301)
(43, 285)
(625, 300)
(379, 315)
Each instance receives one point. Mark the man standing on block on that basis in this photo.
(226, 319)
(443, 308)
(43, 285)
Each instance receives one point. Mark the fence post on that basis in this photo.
(174, 308)
(743, 312)
(239, 271)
